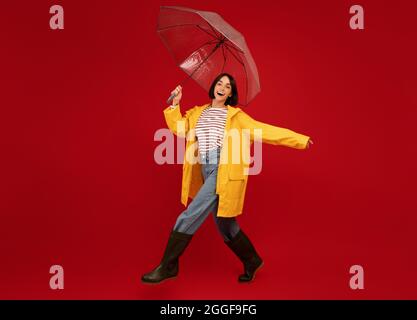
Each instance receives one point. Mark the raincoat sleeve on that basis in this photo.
(177, 123)
(272, 134)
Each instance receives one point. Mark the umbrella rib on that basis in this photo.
(204, 44)
(244, 68)
(247, 86)
(233, 47)
(237, 58)
(204, 30)
(218, 37)
(175, 26)
(224, 59)
(188, 24)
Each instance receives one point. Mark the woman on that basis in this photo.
(217, 182)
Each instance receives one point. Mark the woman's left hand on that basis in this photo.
(309, 142)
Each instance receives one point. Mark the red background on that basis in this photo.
(80, 187)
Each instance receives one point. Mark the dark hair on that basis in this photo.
(232, 101)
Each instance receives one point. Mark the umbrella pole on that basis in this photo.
(220, 43)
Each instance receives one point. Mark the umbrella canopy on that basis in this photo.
(204, 45)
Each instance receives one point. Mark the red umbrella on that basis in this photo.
(204, 45)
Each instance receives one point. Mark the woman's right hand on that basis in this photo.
(178, 95)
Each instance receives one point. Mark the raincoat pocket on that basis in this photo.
(236, 183)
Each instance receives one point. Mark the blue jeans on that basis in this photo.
(206, 201)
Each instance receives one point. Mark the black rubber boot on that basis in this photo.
(168, 268)
(246, 252)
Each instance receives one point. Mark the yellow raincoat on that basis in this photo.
(240, 131)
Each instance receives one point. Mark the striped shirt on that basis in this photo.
(210, 128)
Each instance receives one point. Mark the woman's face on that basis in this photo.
(222, 89)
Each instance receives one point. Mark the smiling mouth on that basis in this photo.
(220, 94)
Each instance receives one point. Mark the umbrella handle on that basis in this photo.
(172, 96)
